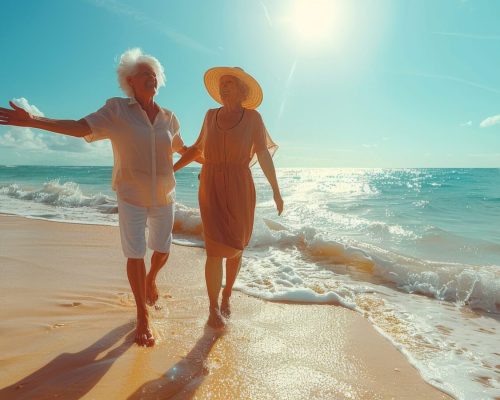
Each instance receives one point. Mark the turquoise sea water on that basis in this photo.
(415, 250)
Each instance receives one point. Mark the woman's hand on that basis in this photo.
(15, 117)
(279, 202)
(266, 163)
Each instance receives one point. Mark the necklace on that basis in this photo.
(234, 126)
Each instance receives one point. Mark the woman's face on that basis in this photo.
(143, 82)
(230, 90)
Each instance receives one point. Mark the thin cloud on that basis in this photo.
(287, 86)
(468, 123)
(490, 121)
(118, 8)
(468, 35)
(458, 80)
(266, 13)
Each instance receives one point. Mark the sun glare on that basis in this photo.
(313, 20)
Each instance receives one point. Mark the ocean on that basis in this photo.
(416, 251)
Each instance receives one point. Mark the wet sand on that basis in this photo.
(67, 323)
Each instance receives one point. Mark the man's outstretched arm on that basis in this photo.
(20, 117)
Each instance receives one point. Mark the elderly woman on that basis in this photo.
(144, 137)
(232, 138)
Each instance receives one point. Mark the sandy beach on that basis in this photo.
(67, 322)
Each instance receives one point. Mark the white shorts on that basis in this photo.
(133, 221)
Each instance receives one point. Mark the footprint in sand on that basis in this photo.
(126, 299)
(73, 304)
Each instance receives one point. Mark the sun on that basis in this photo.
(313, 21)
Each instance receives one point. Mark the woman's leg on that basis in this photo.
(233, 266)
(213, 278)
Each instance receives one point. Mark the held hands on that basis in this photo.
(279, 202)
(16, 117)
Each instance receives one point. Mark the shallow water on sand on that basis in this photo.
(415, 250)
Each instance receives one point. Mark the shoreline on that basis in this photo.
(65, 300)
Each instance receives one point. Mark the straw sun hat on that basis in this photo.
(212, 78)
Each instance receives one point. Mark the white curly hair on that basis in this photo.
(128, 65)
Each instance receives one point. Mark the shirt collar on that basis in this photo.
(132, 101)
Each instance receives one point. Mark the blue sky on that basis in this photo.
(386, 83)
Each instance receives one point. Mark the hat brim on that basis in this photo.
(212, 79)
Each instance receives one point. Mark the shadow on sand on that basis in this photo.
(70, 376)
(182, 379)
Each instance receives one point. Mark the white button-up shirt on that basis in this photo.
(143, 169)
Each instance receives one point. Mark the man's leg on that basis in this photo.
(136, 272)
(132, 221)
(160, 224)
(233, 266)
(158, 260)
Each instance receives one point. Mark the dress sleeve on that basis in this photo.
(101, 122)
(261, 139)
(177, 142)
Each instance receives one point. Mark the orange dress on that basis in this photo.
(227, 192)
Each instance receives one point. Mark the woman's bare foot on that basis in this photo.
(225, 308)
(143, 335)
(215, 319)
(151, 292)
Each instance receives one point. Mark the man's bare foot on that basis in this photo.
(143, 335)
(151, 292)
(215, 319)
(225, 308)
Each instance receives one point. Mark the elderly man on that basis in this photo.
(144, 137)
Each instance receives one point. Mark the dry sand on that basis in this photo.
(67, 321)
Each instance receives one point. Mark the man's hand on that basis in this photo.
(16, 117)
